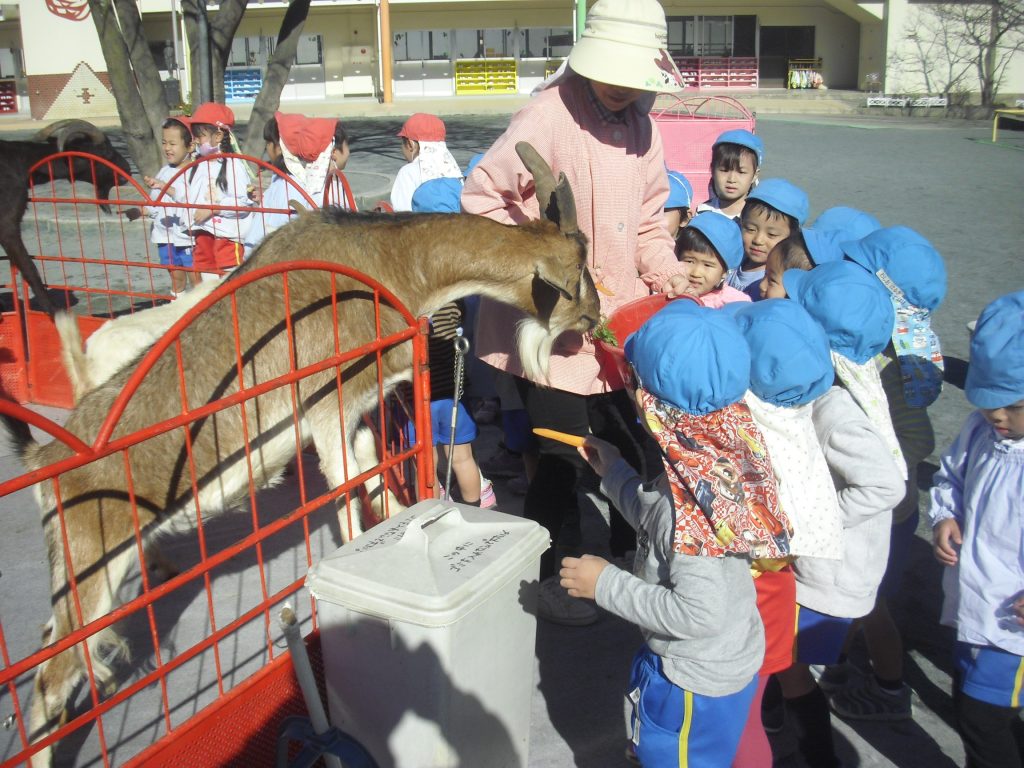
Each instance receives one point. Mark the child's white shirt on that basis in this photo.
(203, 189)
(170, 224)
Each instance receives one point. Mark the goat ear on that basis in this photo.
(564, 203)
(563, 290)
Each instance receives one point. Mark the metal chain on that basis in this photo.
(461, 344)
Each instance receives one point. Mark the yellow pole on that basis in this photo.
(385, 51)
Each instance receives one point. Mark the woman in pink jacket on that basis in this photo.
(591, 123)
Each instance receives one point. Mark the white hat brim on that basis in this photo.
(625, 65)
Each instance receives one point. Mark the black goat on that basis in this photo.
(17, 157)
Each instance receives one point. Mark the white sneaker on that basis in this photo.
(557, 606)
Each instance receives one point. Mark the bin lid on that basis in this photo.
(430, 564)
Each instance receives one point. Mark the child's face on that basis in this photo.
(1007, 421)
(340, 156)
(733, 185)
(273, 151)
(615, 98)
(674, 220)
(771, 284)
(209, 138)
(761, 233)
(175, 147)
(705, 271)
(410, 149)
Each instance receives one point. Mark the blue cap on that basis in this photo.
(851, 305)
(692, 357)
(438, 196)
(852, 223)
(473, 161)
(904, 261)
(821, 246)
(745, 139)
(995, 375)
(680, 192)
(790, 362)
(723, 234)
(782, 196)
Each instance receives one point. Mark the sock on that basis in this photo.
(890, 686)
(813, 729)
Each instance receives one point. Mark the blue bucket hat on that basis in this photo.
(783, 196)
(723, 234)
(790, 363)
(853, 224)
(680, 192)
(821, 246)
(438, 196)
(850, 305)
(692, 357)
(995, 375)
(745, 139)
(905, 262)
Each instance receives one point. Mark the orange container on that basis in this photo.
(622, 322)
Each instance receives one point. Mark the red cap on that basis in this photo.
(215, 114)
(183, 119)
(423, 127)
(306, 137)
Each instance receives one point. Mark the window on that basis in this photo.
(545, 42)
(703, 35)
(422, 45)
(310, 50)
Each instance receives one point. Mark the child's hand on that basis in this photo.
(599, 454)
(947, 539)
(1017, 606)
(152, 182)
(677, 285)
(579, 575)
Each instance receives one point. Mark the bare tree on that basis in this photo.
(135, 77)
(945, 41)
(931, 53)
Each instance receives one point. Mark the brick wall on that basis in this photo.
(83, 93)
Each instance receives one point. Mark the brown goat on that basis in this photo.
(425, 259)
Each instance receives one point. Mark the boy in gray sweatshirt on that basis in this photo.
(698, 526)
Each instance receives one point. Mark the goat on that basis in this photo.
(427, 259)
(17, 157)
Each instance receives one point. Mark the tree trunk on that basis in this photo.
(147, 74)
(278, 68)
(222, 33)
(130, 105)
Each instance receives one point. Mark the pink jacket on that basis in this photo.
(719, 297)
(617, 174)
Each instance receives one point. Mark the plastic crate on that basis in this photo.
(689, 126)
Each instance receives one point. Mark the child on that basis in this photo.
(442, 196)
(857, 319)
(680, 200)
(223, 184)
(169, 232)
(804, 250)
(593, 124)
(697, 525)
(977, 511)
(774, 211)
(709, 246)
(908, 266)
(790, 368)
(736, 158)
(302, 150)
(338, 193)
(427, 157)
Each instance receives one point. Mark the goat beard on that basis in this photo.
(534, 342)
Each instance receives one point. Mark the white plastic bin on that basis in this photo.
(427, 624)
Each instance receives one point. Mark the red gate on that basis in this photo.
(207, 679)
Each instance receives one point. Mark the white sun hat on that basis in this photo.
(624, 43)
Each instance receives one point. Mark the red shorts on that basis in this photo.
(216, 254)
(776, 602)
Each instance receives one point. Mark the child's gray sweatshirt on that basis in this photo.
(868, 485)
(699, 614)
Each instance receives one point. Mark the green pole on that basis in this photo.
(581, 17)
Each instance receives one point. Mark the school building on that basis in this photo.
(51, 64)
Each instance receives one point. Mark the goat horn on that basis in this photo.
(65, 129)
(556, 200)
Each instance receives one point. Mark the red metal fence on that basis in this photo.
(205, 680)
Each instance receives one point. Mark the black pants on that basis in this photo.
(560, 468)
(991, 734)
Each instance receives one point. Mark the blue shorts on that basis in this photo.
(989, 674)
(900, 539)
(674, 728)
(174, 255)
(819, 637)
(441, 424)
